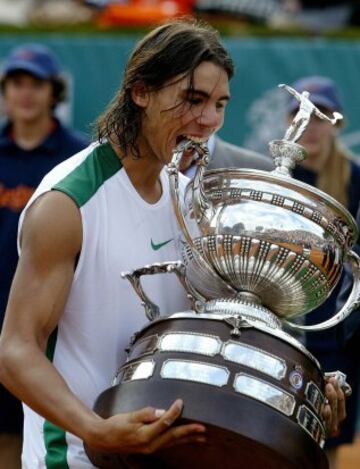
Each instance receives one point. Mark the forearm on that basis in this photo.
(27, 373)
(30, 376)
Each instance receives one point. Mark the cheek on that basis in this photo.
(221, 118)
(327, 133)
(317, 130)
(11, 94)
(182, 112)
(43, 97)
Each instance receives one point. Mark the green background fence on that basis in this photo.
(256, 112)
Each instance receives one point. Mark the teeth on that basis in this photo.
(197, 139)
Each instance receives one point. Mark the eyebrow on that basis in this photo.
(204, 94)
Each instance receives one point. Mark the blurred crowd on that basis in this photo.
(312, 16)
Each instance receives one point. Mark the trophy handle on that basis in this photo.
(200, 202)
(152, 310)
(352, 302)
(202, 206)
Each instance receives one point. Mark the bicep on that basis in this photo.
(50, 242)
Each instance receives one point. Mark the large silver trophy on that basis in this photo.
(260, 249)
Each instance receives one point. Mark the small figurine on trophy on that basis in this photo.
(286, 152)
(304, 114)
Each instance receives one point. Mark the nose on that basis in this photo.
(210, 116)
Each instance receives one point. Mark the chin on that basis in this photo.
(311, 150)
(27, 116)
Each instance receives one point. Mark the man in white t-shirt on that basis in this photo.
(95, 215)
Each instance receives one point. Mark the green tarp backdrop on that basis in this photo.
(255, 114)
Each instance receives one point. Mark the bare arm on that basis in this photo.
(51, 240)
(322, 116)
(291, 90)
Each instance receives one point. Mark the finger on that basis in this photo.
(341, 400)
(170, 416)
(146, 415)
(326, 414)
(341, 406)
(177, 434)
(194, 439)
(331, 394)
(166, 420)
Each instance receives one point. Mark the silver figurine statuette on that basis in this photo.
(285, 152)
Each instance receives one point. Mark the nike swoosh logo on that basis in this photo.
(156, 247)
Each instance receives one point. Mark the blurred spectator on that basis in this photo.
(349, 330)
(314, 15)
(45, 12)
(141, 12)
(32, 141)
(259, 11)
(66, 12)
(330, 167)
(15, 12)
(355, 15)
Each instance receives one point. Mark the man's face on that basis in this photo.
(27, 98)
(176, 111)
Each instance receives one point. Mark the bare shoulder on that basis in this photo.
(50, 243)
(53, 222)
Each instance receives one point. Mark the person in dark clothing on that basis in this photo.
(333, 169)
(32, 141)
(348, 331)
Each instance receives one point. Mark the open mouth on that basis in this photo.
(189, 155)
(193, 138)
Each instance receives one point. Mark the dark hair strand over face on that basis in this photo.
(174, 49)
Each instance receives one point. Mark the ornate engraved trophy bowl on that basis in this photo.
(265, 234)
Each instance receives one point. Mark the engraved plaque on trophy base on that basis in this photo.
(240, 432)
(257, 391)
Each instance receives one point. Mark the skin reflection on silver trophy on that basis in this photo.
(260, 248)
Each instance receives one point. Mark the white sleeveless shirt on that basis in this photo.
(121, 232)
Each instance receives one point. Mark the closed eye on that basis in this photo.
(221, 104)
(195, 101)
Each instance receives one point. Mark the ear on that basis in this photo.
(140, 94)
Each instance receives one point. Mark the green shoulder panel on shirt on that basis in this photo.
(56, 447)
(54, 437)
(83, 182)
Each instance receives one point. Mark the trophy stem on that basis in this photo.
(286, 155)
(244, 308)
(248, 297)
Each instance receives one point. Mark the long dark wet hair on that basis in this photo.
(173, 49)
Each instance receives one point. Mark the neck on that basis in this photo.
(144, 174)
(29, 135)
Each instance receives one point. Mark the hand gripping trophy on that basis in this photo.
(259, 248)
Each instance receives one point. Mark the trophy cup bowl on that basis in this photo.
(275, 238)
(260, 249)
